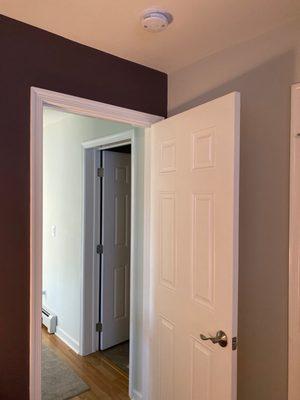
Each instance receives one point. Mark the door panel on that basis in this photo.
(194, 247)
(115, 277)
(203, 249)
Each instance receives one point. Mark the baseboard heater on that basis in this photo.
(49, 320)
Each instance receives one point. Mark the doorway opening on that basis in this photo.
(63, 202)
(183, 248)
(67, 261)
(115, 209)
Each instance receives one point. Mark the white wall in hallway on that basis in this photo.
(262, 70)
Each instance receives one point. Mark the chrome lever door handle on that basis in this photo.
(220, 338)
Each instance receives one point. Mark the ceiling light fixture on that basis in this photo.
(155, 20)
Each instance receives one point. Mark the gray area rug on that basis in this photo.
(59, 381)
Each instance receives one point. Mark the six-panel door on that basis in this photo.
(194, 250)
(115, 277)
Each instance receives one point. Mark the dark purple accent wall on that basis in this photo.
(33, 57)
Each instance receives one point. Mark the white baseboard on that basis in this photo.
(136, 395)
(67, 339)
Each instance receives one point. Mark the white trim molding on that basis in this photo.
(39, 99)
(67, 339)
(91, 108)
(294, 245)
(137, 395)
(90, 263)
(117, 139)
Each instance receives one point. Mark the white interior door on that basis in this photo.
(115, 277)
(194, 250)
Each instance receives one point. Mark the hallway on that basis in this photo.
(106, 381)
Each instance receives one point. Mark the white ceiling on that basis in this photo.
(200, 27)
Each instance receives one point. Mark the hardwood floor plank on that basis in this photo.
(106, 381)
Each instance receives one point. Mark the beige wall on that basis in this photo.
(262, 70)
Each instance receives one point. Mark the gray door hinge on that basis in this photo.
(100, 172)
(99, 327)
(234, 343)
(99, 249)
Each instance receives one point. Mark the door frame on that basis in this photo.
(294, 278)
(81, 106)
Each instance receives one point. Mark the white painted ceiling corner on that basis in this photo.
(200, 28)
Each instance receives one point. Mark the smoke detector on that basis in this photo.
(156, 20)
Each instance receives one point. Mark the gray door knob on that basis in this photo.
(220, 338)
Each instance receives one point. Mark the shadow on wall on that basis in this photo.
(264, 213)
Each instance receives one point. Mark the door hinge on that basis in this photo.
(99, 248)
(99, 327)
(100, 172)
(234, 343)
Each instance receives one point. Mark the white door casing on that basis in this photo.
(115, 277)
(194, 249)
(81, 106)
(294, 246)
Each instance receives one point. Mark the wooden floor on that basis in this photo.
(106, 381)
